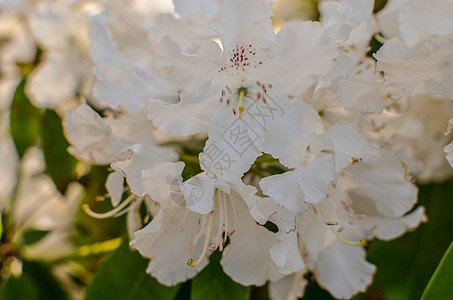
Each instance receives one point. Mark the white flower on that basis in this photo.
(366, 194)
(40, 206)
(120, 43)
(197, 217)
(413, 130)
(246, 93)
(126, 142)
(430, 63)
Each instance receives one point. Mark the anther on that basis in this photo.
(331, 223)
(228, 101)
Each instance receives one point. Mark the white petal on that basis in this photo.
(305, 53)
(142, 158)
(163, 183)
(119, 82)
(449, 153)
(230, 151)
(307, 184)
(57, 78)
(189, 116)
(286, 255)
(266, 209)
(114, 187)
(430, 64)
(290, 287)
(199, 193)
(189, 70)
(363, 91)
(422, 20)
(282, 123)
(244, 22)
(449, 148)
(386, 182)
(386, 229)
(343, 270)
(198, 8)
(89, 135)
(247, 258)
(165, 244)
(350, 146)
(340, 17)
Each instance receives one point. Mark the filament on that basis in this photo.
(190, 262)
(360, 242)
(110, 213)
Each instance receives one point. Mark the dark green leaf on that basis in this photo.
(49, 288)
(212, 283)
(59, 163)
(25, 120)
(123, 276)
(19, 288)
(32, 236)
(441, 284)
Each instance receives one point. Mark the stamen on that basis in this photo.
(242, 92)
(226, 218)
(235, 215)
(108, 214)
(360, 242)
(181, 229)
(190, 262)
(218, 236)
(380, 38)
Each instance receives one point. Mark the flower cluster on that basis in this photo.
(307, 142)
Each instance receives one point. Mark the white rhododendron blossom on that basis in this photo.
(269, 144)
(197, 217)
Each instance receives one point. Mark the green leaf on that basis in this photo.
(19, 288)
(59, 163)
(212, 283)
(49, 288)
(441, 283)
(123, 276)
(32, 236)
(25, 120)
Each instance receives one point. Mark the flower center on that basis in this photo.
(260, 91)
